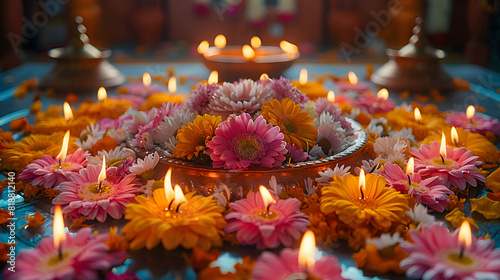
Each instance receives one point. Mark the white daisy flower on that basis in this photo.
(89, 136)
(391, 148)
(419, 216)
(370, 166)
(385, 240)
(327, 176)
(275, 188)
(222, 199)
(309, 186)
(113, 157)
(405, 133)
(166, 131)
(143, 166)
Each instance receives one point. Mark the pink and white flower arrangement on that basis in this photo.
(477, 124)
(373, 104)
(282, 88)
(49, 172)
(457, 168)
(201, 97)
(83, 195)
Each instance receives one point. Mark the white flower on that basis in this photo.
(147, 189)
(385, 240)
(419, 216)
(376, 126)
(89, 136)
(371, 166)
(353, 114)
(309, 186)
(119, 135)
(405, 106)
(222, 199)
(142, 166)
(275, 188)
(405, 133)
(166, 131)
(391, 148)
(113, 157)
(327, 175)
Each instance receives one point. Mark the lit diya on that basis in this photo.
(353, 85)
(313, 90)
(105, 108)
(67, 122)
(144, 88)
(235, 62)
(470, 121)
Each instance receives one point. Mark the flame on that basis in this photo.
(248, 52)
(172, 85)
(179, 196)
(289, 48)
(146, 79)
(418, 116)
(220, 41)
(383, 94)
(58, 227)
(410, 166)
(167, 184)
(303, 76)
(213, 78)
(266, 196)
(362, 181)
(264, 77)
(102, 94)
(442, 150)
(68, 113)
(64, 149)
(102, 174)
(465, 234)
(454, 135)
(470, 112)
(331, 96)
(353, 79)
(203, 47)
(307, 252)
(255, 42)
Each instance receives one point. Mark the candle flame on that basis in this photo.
(465, 234)
(64, 149)
(454, 135)
(362, 181)
(203, 47)
(179, 195)
(442, 149)
(303, 76)
(213, 78)
(470, 112)
(146, 79)
(353, 79)
(248, 52)
(289, 48)
(58, 227)
(255, 42)
(418, 116)
(220, 41)
(307, 252)
(383, 94)
(331, 96)
(102, 174)
(266, 196)
(264, 77)
(167, 184)
(102, 94)
(172, 85)
(68, 113)
(410, 166)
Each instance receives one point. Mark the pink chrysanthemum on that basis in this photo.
(270, 266)
(49, 173)
(240, 143)
(457, 168)
(323, 105)
(372, 104)
(199, 98)
(282, 89)
(83, 196)
(253, 225)
(479, 124)
(434, 255)
(83, 255)
(430, 192)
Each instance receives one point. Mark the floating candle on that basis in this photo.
(203, 47)
(255, 42)
(248, 52)
(67, 122)
(376, 104)
(473, 122)
(144, 88)
(220, 41)
(213, 78)
(58, 230)
(290, 49)
(421, 125)
(313, 90)
(353, 84)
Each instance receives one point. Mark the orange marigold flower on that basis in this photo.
(79, 223)
(388, 259)
(116, 242)
(34, 221)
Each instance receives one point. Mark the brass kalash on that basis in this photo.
(415, 67)
(81, 67)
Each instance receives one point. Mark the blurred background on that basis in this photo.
(326, 31)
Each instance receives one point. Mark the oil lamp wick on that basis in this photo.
(442, 158)
(409, 179)
(60, 252)
(362, 194)
(460, 255)
(178, 206)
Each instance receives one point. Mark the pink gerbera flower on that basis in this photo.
(435, 255)
(200, 98)
(282, 89)
(478, 124)
(430, 192)
(457, 168)
(240, 143)
(253, 224)
(270, 266)
(84, 196)
(83, 255)
(323, 105)
(373, 104)
(49, 172)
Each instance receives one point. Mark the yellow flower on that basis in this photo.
(292, 121)
(388, 259)
(33, 147)
(157, 100)
(401, 118)
(105, 109)
(51, 125)
(52, 111)
(486, 206)
(194, 137)
(456, 217)
(380, 206)
(79, 223)
(116, 242)
(493, 181)
(476, 143)
(199, 222)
